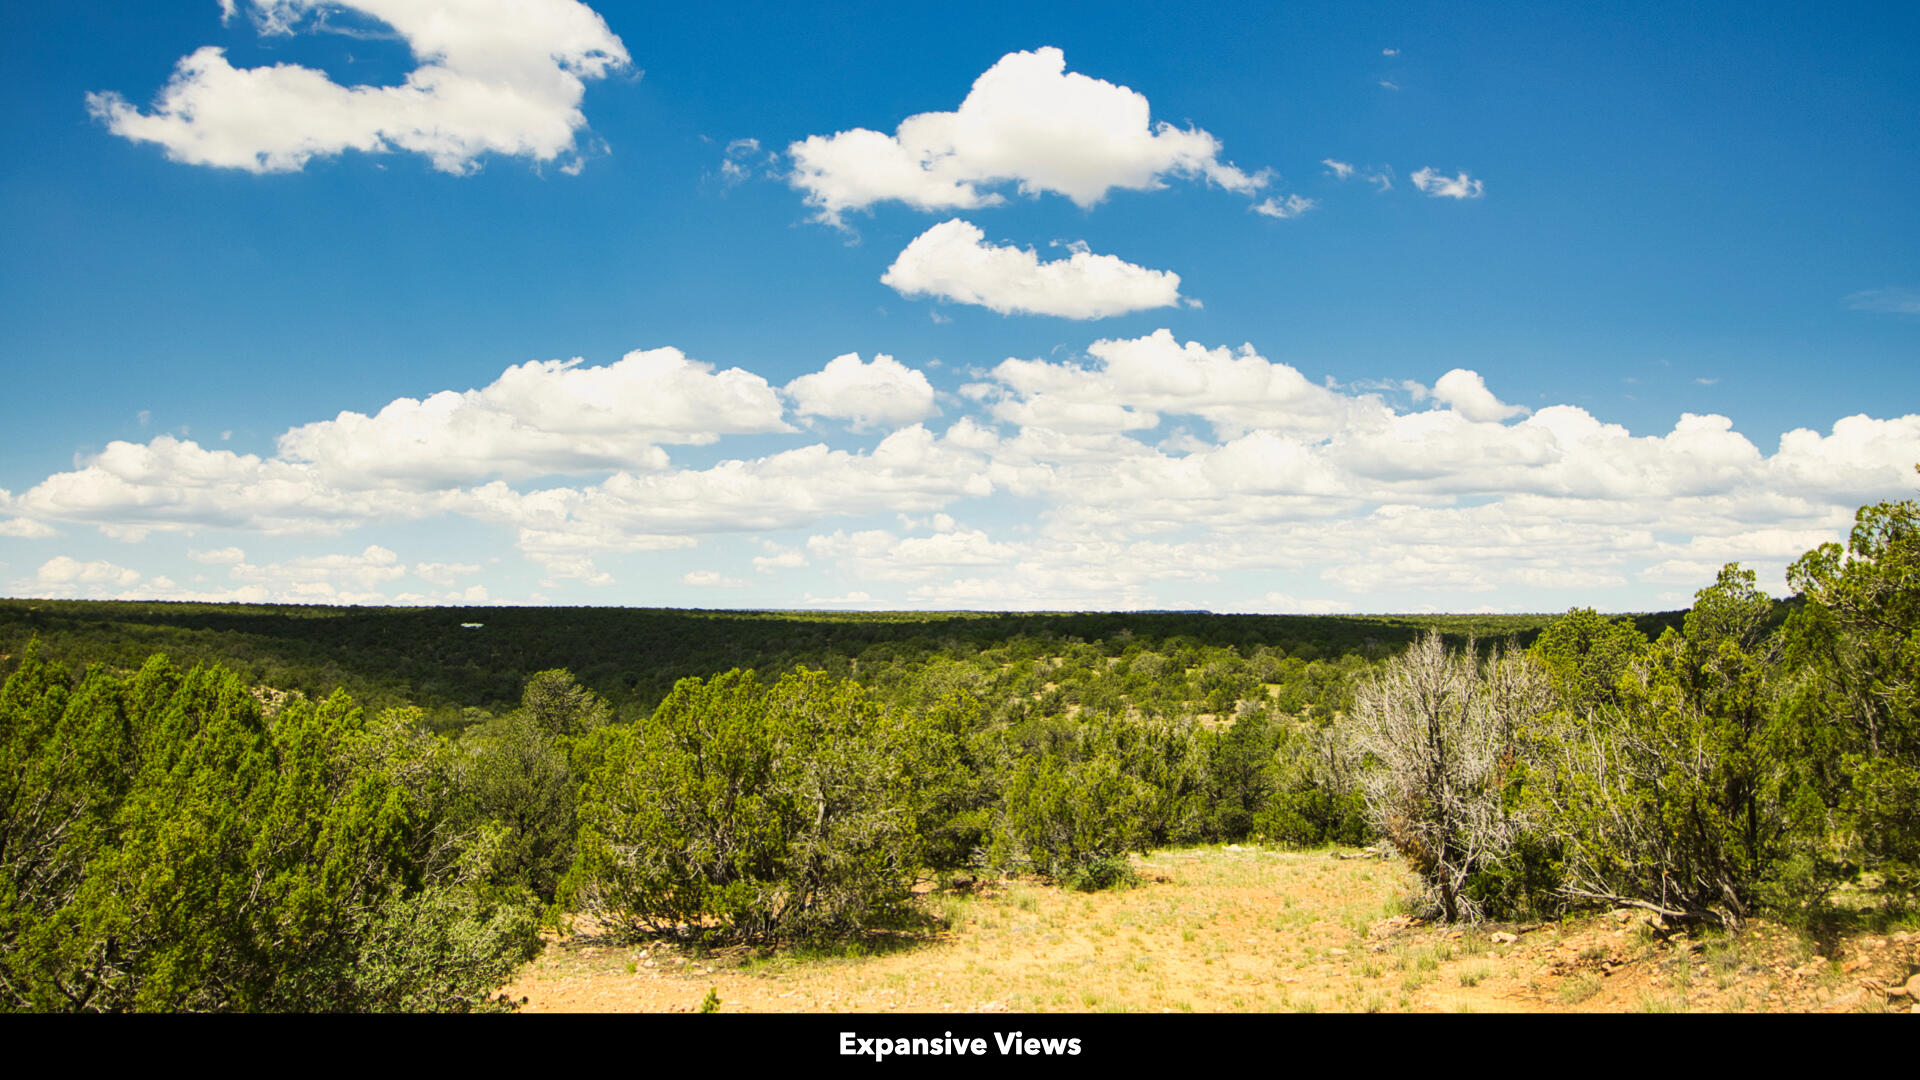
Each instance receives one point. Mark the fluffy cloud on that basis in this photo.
(1027, 121)
(541, 418)
(326, 579)
(879, 555)
(64, 574)
(173, 483)
(911, 469)
(1864, 459)
(1438, 186)
(1467, 394)
(1149, 473)
(26, 529)
(778, 558)
(1136, 380)
(493, 77)
(953, 261)
(884, 393)
(311, 579)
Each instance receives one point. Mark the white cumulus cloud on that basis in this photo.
(1466, 393)
(326, 579)
(65, 573)
(953, 261)
(1027, 121)
(494, 77)
(26, 529)
(1150, 472)
(543, 417)
(1137, 379)
(884, 393)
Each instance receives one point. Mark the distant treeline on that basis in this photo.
(632, 657)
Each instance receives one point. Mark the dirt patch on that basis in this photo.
(1234, 929)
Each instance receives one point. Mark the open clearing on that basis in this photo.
(1239, 929)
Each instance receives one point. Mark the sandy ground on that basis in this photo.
(1237, 929)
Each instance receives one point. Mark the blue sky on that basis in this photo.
(1269, 307)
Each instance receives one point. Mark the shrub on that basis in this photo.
(1071, 820)
(1679, 799)
(165, 848)
(752, 811)
(1316, 797)
(1096, 873)
(1444, 734)
(517, 771)
(1855, 715)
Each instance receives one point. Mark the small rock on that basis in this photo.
(1336, 952)
(1501, 937)
(1622, 914)
(1856, 964)
(1913, 985)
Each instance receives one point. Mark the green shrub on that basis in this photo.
(518, 772)
(1679, 797)
(1094, 873)
(1855, 714)
(165, 848)
(1065, 818)
(753, 811)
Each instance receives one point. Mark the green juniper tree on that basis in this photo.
(1677, 798)
(1855, 710)
(755, 811)
(166, 848)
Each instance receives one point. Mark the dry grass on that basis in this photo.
(1236, 929)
